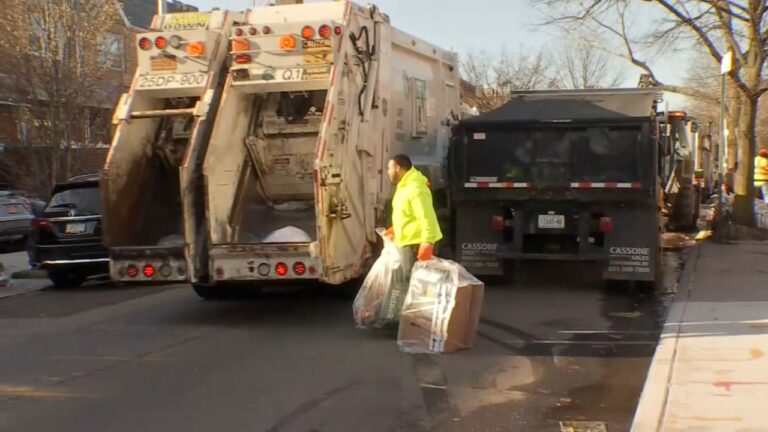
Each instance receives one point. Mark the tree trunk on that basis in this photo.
(744, 203)
(732, 123)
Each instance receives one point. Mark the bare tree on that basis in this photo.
(54, 53)
(583, 66)
(523, 70)
(715, 26)
(491, 78)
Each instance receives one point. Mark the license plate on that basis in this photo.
(172, 80)
(552, 221)
(163, 64)
(75, 228)
(13, 210)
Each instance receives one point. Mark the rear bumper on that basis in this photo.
(628, 248)
(69, 255)
(260, 263)
(100, 262)
(168, 264)
(14, 229)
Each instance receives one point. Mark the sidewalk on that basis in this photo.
(16, 287)
(710, 370)
(14, 263)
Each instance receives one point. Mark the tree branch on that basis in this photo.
(718, 5)
(705, 39)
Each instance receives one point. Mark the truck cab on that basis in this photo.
(154, 218)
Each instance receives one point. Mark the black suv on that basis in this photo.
(66, 238)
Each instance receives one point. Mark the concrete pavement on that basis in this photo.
(14, 263)
(710, 369)
(554, 348)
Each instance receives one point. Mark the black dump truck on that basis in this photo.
(569, 175)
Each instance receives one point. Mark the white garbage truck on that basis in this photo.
(318, 97)
(152, 190)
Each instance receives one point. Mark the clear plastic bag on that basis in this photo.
(761, 214)
(442, 310)
(380, 299)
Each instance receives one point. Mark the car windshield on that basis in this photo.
(85, 201)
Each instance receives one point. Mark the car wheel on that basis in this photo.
(210, 292)
(66, 278)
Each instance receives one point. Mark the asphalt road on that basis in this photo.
(553, 346)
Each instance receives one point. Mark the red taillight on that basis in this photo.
(149, 270)
(132, 271)
(312, 270)
(299, 269)
(325, 31)
(238, 32)
(145, 44)
(266, 30)
(242, 59)
(308, 32)
(252, 31)
(337, 30)
(497, 223)
(281, 269)
(161, 42)
(41, 224)
(606, 224)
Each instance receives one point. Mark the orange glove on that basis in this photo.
(390, 233)
(425, 252)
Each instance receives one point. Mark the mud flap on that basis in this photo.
(633, 246)
(477, 245)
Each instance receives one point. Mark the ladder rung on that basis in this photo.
(163, 113)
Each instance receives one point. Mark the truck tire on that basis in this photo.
(209, 292)
(66, 278)
(684, 209)
(697, 207)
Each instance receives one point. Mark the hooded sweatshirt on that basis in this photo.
(413, 215)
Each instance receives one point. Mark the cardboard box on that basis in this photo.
(442, 310)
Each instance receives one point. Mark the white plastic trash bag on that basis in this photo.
(381, 296)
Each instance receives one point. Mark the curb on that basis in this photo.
(652, 405)
(30, 274)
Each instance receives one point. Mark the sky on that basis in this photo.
(466, 26)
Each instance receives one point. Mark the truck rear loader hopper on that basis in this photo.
(318, 97)
(154, 216)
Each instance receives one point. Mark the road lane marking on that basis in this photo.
(32, 392)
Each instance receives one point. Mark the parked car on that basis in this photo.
(16, 215)
(66, 239)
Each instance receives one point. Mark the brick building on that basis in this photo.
(90, 129)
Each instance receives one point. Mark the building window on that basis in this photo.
(111, 51)
(37, 37)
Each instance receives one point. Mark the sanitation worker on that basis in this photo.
(761, 173)
(414, 222)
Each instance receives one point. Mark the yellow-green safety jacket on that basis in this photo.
(413, 215)
(761, 171)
